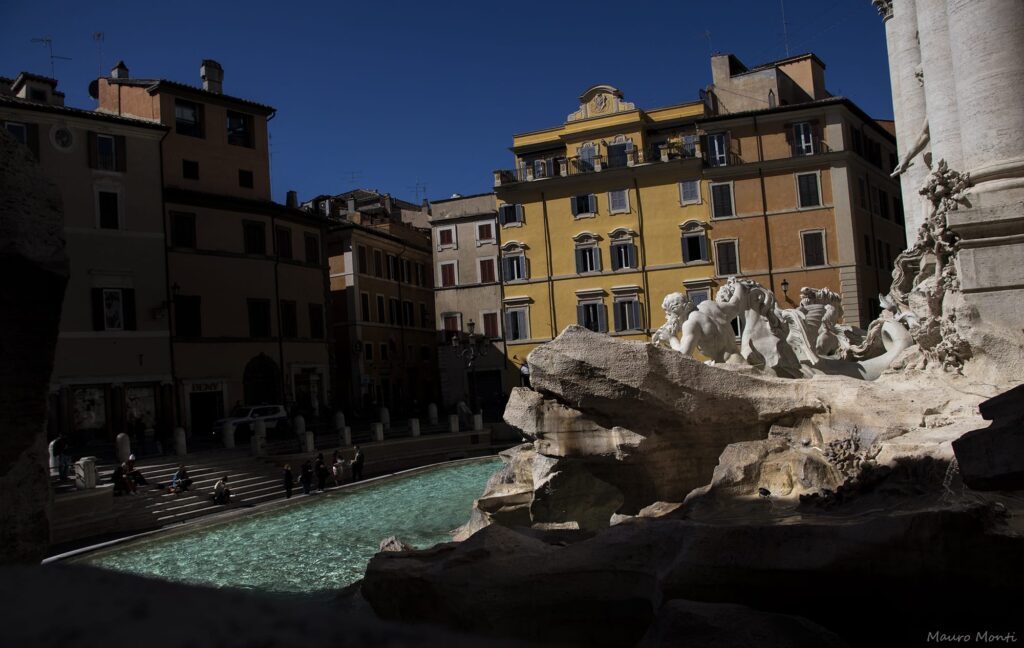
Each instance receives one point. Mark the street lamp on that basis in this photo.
(785, 288)
(470, 346)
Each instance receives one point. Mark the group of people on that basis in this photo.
(318, 469)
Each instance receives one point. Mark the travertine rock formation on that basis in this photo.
(35, 269)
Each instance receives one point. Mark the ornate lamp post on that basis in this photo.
(470, 346)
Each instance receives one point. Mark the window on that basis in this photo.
(491, 325)
(283, 237)
(897, 210)
(695, 247)
(883, 204)
(862, 190)
(368, 352)
(382, 315)
(584, 205)
(738, 324)
(721, 200)
(312, 248)
(188, 118)
(857, 141)
(484, 233)
(183, 230)
(188, 320)
(364, 303)
(289, 319)
(510, 214)
(487, 271)
(718, 151)
(588, 259)
(421, 275)
(623, 255)
(378, 263)
(867, 249)
(106, 153)
(446, 238)
(627, 314)
(255, 237)
(394, 313)
(17, 131)
(619, 154)
(259, 318)
(513, 267)
(449, 274)
(588, 155)
(245, 179)
(592, 315)
(618, 201)
(807, 185)
(385, 353)
(517, 324)
(424, 316)
(240, 129)
(814, 248)
(190, 169)
(879, 253)
(450, 324)
(109, 210)
(697, 296)
(689, 192)
(392, 267)
(408, 318)
(725, 253)
(361, 259)
(113, 309)
(803, 139)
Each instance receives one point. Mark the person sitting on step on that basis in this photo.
(180, 482)
(221, 492)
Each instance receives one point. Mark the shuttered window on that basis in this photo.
(695, 248)
(814, 248)
(623, 255)
(725, 253)
(592, 315)
(627, 315)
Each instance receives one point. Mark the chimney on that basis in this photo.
(292, 200)
(351, 204)
(212, 75)
(120, 71)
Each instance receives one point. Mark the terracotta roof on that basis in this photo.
(828, 101)
(17, 102)
(153, 85)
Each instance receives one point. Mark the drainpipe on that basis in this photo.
(643, 257)
(764, 206)
(551, 283)
(171, 308)
(277, 306)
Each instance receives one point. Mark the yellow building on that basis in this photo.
(601, 217)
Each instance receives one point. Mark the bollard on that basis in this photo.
(414, 427)
(299, 425)
(309, 442)
(453, 423)
(346, 436)
(258, 442)
(478, 422)
(228, 432)
(385, 418)
(378, 431)
(180, 444)
(339, 421)
(124, 447)
(85, 473)
(432, 414)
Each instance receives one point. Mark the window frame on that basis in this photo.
(278, 231)
(289, 312)
(625, 197)
(718, 158)
(246, 179)
(365, 308)
(817, 184)
(199, 121)
(520, 258)
(312, 243)
(522, 328)
(448, 229)
(736, 248)
(497, 322)
(118, 193)
(189, 164)
(382, 308)
(803, 247)
(699, 235)
(600, 313)
(802, 147)
(252, 302)
(682, 198)
(494, 269)
(585, 252)
(184, 321)
(493, 238)
(592, 205)
(454, 264)
(732, 199)
(177, 217)
(232, 134)
(106, 162)
(518, 212)
(252, 225)
(637, 309)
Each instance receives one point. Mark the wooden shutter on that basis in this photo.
(120, 153)
(592, 201)
(90, 138)
(631, 255)
(128, 305)
(97, 310)
(597, 258)
(703, 247)
(501, 214)
(581, 314)
(615, 257)
(635, 307)
(602, 318)
(579, 260)
(575, 210)
(32, 138)
(617, 313)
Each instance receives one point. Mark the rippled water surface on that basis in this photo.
(323, 545)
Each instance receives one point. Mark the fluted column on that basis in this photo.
(939, 84)
(987, 45)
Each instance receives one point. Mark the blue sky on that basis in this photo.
(422, 98)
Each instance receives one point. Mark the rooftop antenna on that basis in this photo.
(707, 37)
(420, 188)
(785, 32)
(98, 38)
(46, 40)
(353, 177)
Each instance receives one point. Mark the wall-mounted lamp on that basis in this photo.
(785, 288)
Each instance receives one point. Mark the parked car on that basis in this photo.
(244, 418)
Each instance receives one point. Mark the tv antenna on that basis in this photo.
(420, 188)
(353, 177)
(98, 39)
(785, 32)
(707, 37)
(46, 40)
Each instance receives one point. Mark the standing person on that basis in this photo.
(321, 472)
(288, 480)
(357, 465)
(337, 468)
(221, 492)
(306, 477)
(61, 452)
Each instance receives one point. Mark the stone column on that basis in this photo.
(986, 40)
(180, 445)
(939, 84)
(908, 103)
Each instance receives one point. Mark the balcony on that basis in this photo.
(573, 166)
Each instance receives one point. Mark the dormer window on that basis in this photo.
(37, 95)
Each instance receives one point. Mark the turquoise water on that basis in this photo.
(324, 545)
